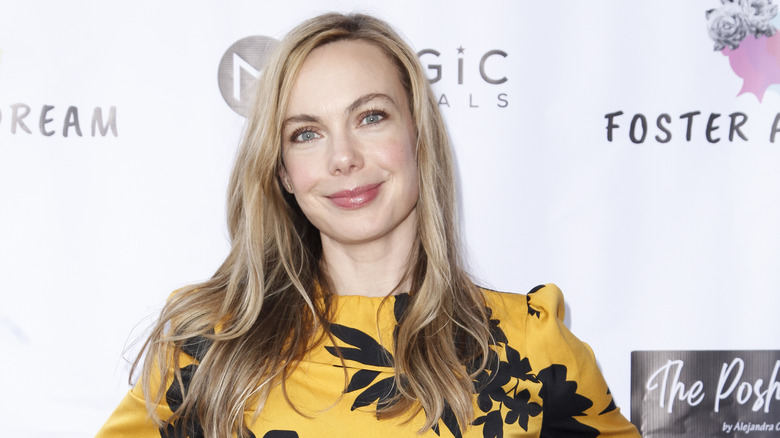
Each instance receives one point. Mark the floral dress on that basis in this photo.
(546, 383)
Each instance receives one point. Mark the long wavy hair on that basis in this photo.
(269, 300)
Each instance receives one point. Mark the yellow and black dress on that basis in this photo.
(546, 382)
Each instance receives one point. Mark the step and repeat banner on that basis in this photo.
(627, 151)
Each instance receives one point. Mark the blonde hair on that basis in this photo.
(269, 299)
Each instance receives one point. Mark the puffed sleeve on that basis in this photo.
(574, 398)
(131, 419)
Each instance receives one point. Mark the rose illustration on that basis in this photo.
(727, 25)
(759, 13)
(755, 60)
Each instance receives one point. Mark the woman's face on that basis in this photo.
(349, 145)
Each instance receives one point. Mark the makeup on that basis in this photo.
(355, 198)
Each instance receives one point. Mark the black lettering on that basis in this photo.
(17, 119)
(434, 67)
(443, 100)
(611, 123)
(460, 71)
(711, 127)
(43, 120)
(484, 75)
(631, 135)
(71, 119)
(690, 117)
(97, 121)
(668, 119)
(503, 103)
(775, 128)
(734, 127)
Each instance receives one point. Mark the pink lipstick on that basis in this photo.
(355, 198)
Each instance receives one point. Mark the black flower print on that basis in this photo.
(180, 429)
(450, 421)
(382, 392)
(505, 390)
(368, 351)
(611, 407)
(493, 426)
(174, 397)
(520, 408)
(500, 390)
(197, 348)
(504, 396)
(400, 306)
(531, 311)
(497, 336)
(281, 434)
(562, 404)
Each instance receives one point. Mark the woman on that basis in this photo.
(343, 308)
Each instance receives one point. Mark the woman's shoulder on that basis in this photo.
(545, 300)
(537, 345)
(533, 324)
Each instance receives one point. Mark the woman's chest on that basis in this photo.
(334, 401)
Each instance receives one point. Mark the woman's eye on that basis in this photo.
(303, 136)
(372, 118)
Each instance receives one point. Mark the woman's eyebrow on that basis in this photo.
(300, 118)
(362, 100)
(357, 103)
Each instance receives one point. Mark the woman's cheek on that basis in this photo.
(302, 171)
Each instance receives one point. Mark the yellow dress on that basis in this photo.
(546, 384)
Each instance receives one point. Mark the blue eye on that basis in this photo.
(308, 135)
(303, 135)
(374, 117)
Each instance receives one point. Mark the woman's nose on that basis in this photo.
(346, 155)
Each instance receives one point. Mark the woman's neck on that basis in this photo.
(374, 268)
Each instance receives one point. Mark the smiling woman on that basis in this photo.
(349, 160)
(343, 308)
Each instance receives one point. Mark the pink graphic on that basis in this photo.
(745, 31)
(757, 62)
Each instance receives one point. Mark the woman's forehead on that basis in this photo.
(334, 75)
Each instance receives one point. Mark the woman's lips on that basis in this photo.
(355, 198)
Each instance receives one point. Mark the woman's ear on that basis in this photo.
(285, 179)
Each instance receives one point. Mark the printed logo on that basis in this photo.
(458, 78)
(705, 393)
(239, 68)
(746, 32)
(49, 120)
(57, 120)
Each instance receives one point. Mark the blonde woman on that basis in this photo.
(343, 308)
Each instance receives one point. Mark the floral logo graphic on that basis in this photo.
(745, 31)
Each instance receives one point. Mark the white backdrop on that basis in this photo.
(656, 245)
